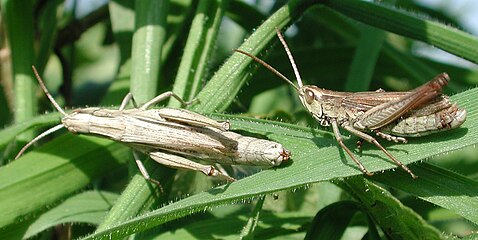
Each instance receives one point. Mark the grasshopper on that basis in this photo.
(168, 136)
(390, 115)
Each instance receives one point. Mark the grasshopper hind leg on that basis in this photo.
(390, 137)
(178, 162)
(338, 137)
(371, 139)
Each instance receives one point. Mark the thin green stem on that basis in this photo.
(20, 37)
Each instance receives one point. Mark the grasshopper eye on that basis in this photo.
(309, 96)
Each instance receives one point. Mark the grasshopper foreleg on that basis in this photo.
(178, 162)
(144, 172)
(339, 139)
(371, 139)
(164, 96)
(129, 97)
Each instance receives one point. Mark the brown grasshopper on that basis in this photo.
(390, 115)
(169, 135)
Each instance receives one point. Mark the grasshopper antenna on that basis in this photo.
(57, 106)
(291, 58)
(268, 67)
(43, 134)
(47, 93)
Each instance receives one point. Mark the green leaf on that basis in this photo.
(9, 133)
(198, 49)
(395, 219)
(440, 187)
(331, 221)
(249, 229)
(54, 171)
(365, 60)
(218, 94)
(20, 37)
(403, 23)
(148, 38)
(88, 207)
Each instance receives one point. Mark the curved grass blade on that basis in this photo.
(87, 207)
(220, 91)
(447, 38)
(54, 171)
(9, 133)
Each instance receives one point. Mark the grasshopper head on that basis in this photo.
(311, 98)
(80, 120)
(77, 122)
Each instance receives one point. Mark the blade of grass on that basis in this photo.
(149, 36)
(218, 94)
(48, 34)
(250, 227)
(438, 186)
(52, 172)
(396, 220)
(365, 59)
(444, 37)
(20, 38)
(198, 49)
(9, 133)
(87, 207)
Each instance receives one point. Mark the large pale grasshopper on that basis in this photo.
(390, 115)
(169, 135)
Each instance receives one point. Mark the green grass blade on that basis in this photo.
(397, 220)
(250, 227)
(48, 34)
(20, 34)
(9, 133)
(462, 202)
(447, 38)
(228, 80)
(198, 49)
(87, 207)
(365, 60)
(54, 171)
(148, 38)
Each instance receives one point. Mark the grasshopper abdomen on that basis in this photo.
(417, 126)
